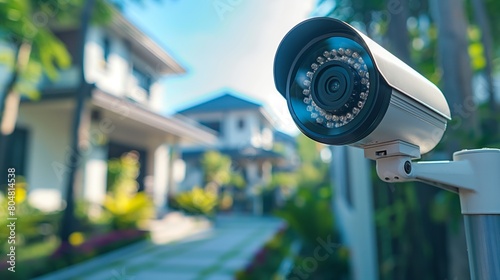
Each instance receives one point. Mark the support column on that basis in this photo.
(253, 181)
(483, 245)
(481, 210)
(95, 170)
(174, 176)
(161, 175)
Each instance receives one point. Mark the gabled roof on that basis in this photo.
(225, 102)
(140, 42)
(191, 132)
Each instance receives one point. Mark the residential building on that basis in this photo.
(246, 134)
(121, 114)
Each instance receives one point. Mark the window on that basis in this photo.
(214, 125)
(241, 124)
(143, 79)
(106, 49)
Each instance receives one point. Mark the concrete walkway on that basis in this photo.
(214, 254)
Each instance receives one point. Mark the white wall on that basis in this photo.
(234, 136)
(48, 150)
(109, 76)
(156, 102)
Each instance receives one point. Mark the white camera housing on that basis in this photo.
(342, 88)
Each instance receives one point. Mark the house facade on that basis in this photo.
(121, 114)
(246, 133)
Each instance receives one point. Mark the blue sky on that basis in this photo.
(223, 44)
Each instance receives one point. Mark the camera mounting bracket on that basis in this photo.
(473, 174)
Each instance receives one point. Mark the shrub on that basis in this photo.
(309, 214)
(125, 206)
(196, 202)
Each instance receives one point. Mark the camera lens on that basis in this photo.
(333, 86)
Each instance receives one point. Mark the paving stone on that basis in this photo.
(187, 261)
(165, 275)
(235, 264)
(216, 255)
(220, 277)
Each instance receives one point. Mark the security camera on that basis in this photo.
(342, 88)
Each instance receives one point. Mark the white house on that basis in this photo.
(121, 114)
(245, 133)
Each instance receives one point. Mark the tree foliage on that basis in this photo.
(197, 201)
(308, 213)
(125, 206)
(218, 172)
(216, 168)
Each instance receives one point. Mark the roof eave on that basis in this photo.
(166, 64)
(267, 116)
(184, 130)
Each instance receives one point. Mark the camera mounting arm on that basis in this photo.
(448, 175)
(474, 175)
